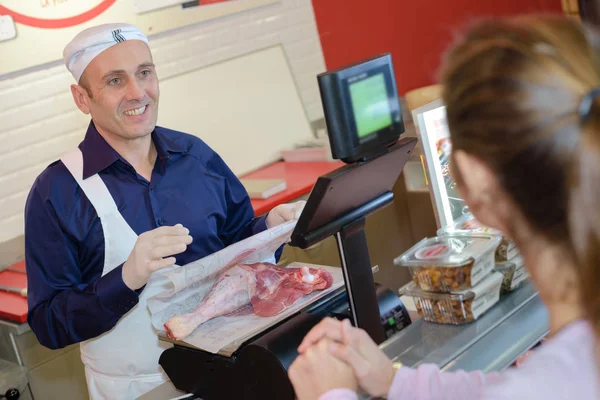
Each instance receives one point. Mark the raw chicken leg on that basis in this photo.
(270, 290)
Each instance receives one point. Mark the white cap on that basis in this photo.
(93, 41)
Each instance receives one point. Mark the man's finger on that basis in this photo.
(329, 327)
(170, 231)
(166, 251)
(298, 208)
(162, 263)
(286, 213)
(163, 240)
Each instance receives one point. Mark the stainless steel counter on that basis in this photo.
(511, 327)
(506, 331)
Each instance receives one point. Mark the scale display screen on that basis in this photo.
(362, 108)
(370, 105)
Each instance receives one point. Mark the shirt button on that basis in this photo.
(151, 186)
(161, 221)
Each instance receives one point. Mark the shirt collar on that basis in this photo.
(164, 145)
(99, 155)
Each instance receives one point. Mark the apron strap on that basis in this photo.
(94, 187)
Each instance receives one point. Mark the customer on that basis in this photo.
(523, 108)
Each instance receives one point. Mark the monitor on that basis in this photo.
(361, 107)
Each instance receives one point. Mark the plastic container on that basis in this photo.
(468, 225)
(450, 263)
(514, 273)
(507, 250)
(456, 308)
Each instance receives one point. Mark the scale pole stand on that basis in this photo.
(358, 278)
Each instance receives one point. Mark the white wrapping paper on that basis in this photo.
(186, 286)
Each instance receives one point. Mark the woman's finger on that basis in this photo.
(359, 365)
(329, 328)
(350, 335)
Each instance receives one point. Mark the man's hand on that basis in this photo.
(316, 372)
(150, 250)
(284, 213)
(354, 346)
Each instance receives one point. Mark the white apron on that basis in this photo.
(121, 364)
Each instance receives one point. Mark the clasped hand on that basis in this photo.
(315, 372)
(339, 341)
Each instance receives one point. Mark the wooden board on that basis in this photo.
(299, 176)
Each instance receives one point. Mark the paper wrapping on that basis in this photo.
(184, 288)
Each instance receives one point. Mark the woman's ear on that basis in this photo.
(479, 188)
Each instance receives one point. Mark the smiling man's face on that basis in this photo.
(119, 88)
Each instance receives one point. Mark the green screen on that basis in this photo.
(370, 105)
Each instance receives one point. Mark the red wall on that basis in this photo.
(416, 32)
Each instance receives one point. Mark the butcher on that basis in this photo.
(132, 199)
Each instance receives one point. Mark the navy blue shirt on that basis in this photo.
(69, 299)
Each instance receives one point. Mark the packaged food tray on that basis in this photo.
(450, 263)
(468, 225)
(514, 273)
(456, 308)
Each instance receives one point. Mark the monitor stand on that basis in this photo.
(338, 205)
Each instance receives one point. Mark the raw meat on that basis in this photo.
(268, 288)
(278, 288)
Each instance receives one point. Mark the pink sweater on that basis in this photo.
(563, 367)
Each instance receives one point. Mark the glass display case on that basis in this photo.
(480, 326)
(432, 131)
